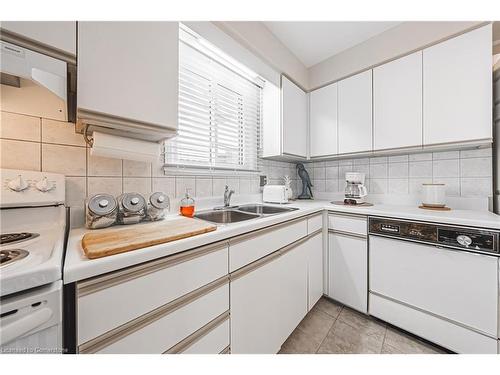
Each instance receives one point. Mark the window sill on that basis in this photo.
(193, 171)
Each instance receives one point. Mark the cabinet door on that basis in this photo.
(255, 306)
(315, 269)
(355, 113)
(323, 121)
(293, 289)
(129, 70)
(60, 35)
(293, 119)
(397, 101)
(348, 269)
(457, 88)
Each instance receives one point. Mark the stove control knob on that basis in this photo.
(464, 240)
(44, 185)
(17, 184)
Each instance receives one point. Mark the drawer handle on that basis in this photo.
(348, 234)
(128, 328)
(198, 335)
(103, 282)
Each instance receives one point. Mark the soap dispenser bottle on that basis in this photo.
(187, 205)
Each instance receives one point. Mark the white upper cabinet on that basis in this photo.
(129, 70)
(457, 76)
(323, 121)
(355, 113)
(293, 119)
(60, 35)
(397, 103)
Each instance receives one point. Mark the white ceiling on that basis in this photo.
(313, 42)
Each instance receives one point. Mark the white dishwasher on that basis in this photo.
(437, 281)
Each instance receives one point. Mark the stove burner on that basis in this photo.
(12, 255)
(16, 237)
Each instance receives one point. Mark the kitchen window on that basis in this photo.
(220, 110)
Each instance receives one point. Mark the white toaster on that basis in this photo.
(275, 194)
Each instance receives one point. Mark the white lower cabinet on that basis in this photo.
(314, 268)
(348, 270)
(214, 342)
(293, 289)
(157, 332)
(271, 296)
(254, 310)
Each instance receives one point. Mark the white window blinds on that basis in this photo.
(219, 113)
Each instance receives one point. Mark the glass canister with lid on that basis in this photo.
(158, 205)
(100, 211)
(131, 208)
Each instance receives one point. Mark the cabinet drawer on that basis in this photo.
(159, 331)
(214, 342)
(432, 328)
(350, 224)
(109, 301)
(248, 248)
(314, 223)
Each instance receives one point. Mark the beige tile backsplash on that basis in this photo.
(466, 173)
(33, 143)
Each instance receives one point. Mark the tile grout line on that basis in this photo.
(383, 341)
(324, 338)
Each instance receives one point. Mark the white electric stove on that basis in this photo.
(32, 227)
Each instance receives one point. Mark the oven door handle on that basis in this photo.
(24, 325)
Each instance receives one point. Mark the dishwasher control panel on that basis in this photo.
(470, 239)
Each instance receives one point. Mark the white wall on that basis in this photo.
(400, 40)
(261, 41)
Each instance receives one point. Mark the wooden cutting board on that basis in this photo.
(110, 241)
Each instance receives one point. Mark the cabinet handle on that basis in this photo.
(108, 280)
(198, 335)
(116, 334)
(348, 234)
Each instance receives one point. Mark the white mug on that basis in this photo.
(433, 195)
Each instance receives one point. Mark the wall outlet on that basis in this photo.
(263, 180)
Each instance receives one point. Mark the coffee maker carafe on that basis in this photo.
(355, 189)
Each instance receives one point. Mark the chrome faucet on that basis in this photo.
(227, 196)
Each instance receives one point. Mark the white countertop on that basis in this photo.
(78, 267)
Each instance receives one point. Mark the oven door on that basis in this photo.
(31, 321)
(453, 285)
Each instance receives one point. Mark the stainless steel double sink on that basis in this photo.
(236, 214)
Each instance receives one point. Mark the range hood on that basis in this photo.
(32, 83)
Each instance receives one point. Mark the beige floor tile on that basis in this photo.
(328, 306)
(299, 342)
(16, 126)
(316, 324)
(356, 319)
(19, 155)
(345, 339)
(403, 343)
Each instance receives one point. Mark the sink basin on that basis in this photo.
(265, 210)
(225, 216)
